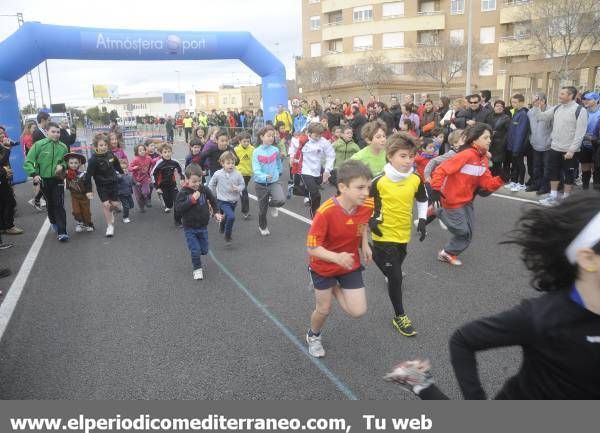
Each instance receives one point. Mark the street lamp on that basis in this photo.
(469, 7)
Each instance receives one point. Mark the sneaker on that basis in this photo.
(126, 220)
(198, 274)
(167, 210)
(246, 215)
(315, 347)
(443, 256)
(442, 225)
(274, 212)
(110, 231)
(63, 237)
(416, 223)
(510, 185)
(515, 187)
(88, 228)
(549, 201)
(290, 190)
(264, 232)
(411, 375)
(14, 230)
(5, 246)
(36, 204)
(306, 201)
(542, 192)
(78, 227)
(404, 325)
(42, 202)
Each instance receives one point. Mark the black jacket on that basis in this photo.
(356, 124)
(500, 125)
(37, 135)
(195, 214)
(388, 118)
(68, 139)
(163, 173)
(103, 168)
(482, 115)
(214, 154)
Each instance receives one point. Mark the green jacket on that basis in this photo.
(43, 157)
(343, 151)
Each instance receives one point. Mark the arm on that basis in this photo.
(214, 180)
(447, 168)
(241, 185)
(89, 173)
(180, 171)
(212, 201)
(30, 162)
(183, 202)
(490, 183)
(329, 156)
(580, 131)
(431, 165)
(510, 328)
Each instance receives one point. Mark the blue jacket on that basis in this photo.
(125, 182)
(265, 162)
(517, 139)
(300, 122)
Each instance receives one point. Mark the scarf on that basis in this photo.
(394, 174)
(72, 174)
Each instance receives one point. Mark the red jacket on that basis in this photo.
(459, 177)
(421, 162)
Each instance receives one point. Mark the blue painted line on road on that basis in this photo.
(340, 385)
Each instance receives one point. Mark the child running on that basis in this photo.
(227, 184)
(140, 168)
(373, 155)
(154, 155)
(103, 167)
(125, 182)
(424, 156)
(394, 193)
(163, 174)
(266, 168)
(194, 156)
(195, 204)
(558, 331)
(75, 182)
(244, 152)
(456, 182)
(344, 148)
(337, 231)
(117, 145)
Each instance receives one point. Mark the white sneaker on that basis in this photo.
(198, 274)
(515, 187)
(306, 201)
(510, 185)
(88, 228)
(110, 231)
(167, 210)
(274, 212)
(416, 223)
(78, 228)
(126, 220)
(42, 202)
(315, 347)
(549, 201)
(264, 232)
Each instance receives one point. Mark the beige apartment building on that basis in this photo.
(338, 34)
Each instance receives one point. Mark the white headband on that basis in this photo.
(587, 238)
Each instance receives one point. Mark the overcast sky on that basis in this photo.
(275, 23)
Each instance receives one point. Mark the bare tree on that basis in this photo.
(562, 29)
(317, 75)
(371, 73)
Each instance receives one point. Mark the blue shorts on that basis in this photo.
(351, 280)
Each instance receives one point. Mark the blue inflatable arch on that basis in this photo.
(34, 42)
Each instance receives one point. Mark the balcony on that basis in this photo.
(334, 5)
(516, 37)
(391, 25)
(514, 11)
(510, 46)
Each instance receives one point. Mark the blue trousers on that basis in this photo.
(197, 242)
(228, 209)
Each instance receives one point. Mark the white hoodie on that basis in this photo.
(312, 156)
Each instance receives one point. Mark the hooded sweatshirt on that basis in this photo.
(541, 130)
(266, 162)
(103, 167)
(568, 129)
(222, 183)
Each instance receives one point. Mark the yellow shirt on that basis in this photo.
(394, 206)
(245, 157)
(187, 122)
(286, 119)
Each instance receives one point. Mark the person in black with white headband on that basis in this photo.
(559, 331)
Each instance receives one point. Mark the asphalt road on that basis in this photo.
(122, 318)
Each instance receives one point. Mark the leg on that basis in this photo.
(322, 309)
(276, 194)
(262, 193)
(125, 205)
(169, 196)
(193, 243)
(139, 197)
(458, 224)
(314, 194)
(389, 258)
(245, 198)
(76, 207)
(108, 215)
(570, 166)
(229, 211)
(86, 214)
(352, 301)
(54, 191)
(7, 207)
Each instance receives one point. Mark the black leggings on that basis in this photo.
(388, 256)
(518, 168)
(314, 193)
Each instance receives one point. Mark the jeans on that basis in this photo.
(245, 198)
(54, 193)
(541, 178)
(228, 209)
(197, 242)
(269, 195)
(127, 202)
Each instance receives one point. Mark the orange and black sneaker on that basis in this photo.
(443, 256)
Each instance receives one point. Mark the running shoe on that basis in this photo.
(549, 201)
(110, 231)
(167, 210)
(63, 237)
(78, 227)
(88, 228)
(404, 326)
(264, 232)
(510, 185)
(36, 204)
(246, 215)
(5, 246)
(126, 220)
(274, 212)
(315, 347)
(14, 230)
(411, 375)
(306, 201)
(198, 274)
(443, 256)
(518, 187)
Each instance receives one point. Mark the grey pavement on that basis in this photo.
(122, 318)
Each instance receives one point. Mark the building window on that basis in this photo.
(315, 22)
(427, 7)
(315, 49)
(211, 100)
(362, 43)
(457, 36)
(487, 35)
(397, 68)
(336, 46)
(457, 7)
(486, 67)
(224, 100)
(488, 5)
(428, 37)
(393, 40)
(362, 13)
(335, 18)
(233, 100)
(395, 9)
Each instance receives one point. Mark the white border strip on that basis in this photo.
(16, 288)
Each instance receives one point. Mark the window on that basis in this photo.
(315, 22)
(315, 49)
(488, 5)
(211, 100)
(487, 35)
(395, 9)
(486, 67)
(393, 40)
(362, 13)
(457, 7)
(457, 36)
(362, 43)
(335, 18)
(315, 77)
(224, 100)
(397, 68)
(233, 100)
(335, 46)
(427, 7)
(427, 38)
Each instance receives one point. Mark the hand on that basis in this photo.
(219, 217)
(269, 177)
(89, 195)
(134, 167)
(37, 179)
(59, 169)
(8, 171)
(345, 260)
(422, 229)
(374, 226)
(470, 122)
(367, 254)
(326, 176)
(436, 198)
(196, 195)
(488, 155)
(569, 155)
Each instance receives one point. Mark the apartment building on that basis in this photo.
(338, 34)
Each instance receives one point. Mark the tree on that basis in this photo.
(372, 73)
(94, 114)
(563, 29)
(28, 109)
(316, 75)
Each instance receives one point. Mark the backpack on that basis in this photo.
(579, 107)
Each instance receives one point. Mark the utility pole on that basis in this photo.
(48, 82)
(469, 6)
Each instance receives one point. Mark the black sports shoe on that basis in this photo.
(404, 325)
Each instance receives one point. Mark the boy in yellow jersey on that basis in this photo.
(393, 194)
(338, 230)
(244, 152)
